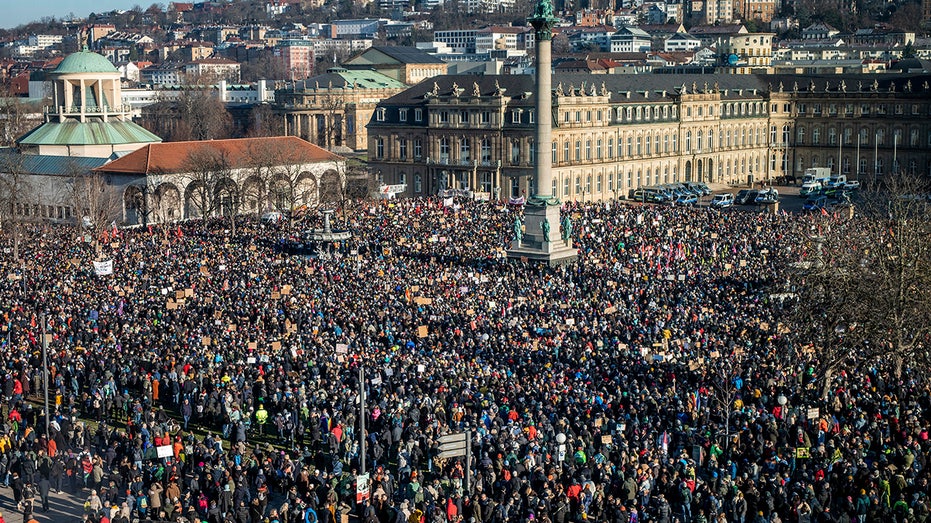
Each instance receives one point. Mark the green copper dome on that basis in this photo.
(85, 62)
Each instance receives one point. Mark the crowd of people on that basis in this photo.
(215, 376)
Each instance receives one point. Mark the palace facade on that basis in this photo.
(614, 133)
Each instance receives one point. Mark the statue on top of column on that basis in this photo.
(543, 19)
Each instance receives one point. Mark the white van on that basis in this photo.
(722, 200)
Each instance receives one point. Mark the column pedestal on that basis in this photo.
(534, 247)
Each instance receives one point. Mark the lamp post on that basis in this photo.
(361, 419)
(45, 373)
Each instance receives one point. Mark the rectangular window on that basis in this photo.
(380, 114)
(486, 117)
(418, 115)
(402, 149)
(515, 116)
(379, 147)
(444, 116)
(418, 148)
(402, 115)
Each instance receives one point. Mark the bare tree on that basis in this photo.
(15, 116)
(98, 206)
(335, 106)
(17, 197)
(722, 376)
(212, 191)
(864, 297)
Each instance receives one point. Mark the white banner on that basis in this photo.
(393, 189)
(448, 202)
(104, 268)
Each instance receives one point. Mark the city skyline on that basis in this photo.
(19, 13)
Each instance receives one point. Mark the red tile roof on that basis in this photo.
(172, 157)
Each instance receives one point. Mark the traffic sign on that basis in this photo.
(453, 445)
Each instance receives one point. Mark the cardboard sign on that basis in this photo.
(188, 293)
(814, 413)
(205, 341)
(253, 345)
(606, 439)
(171, 305)
(422, 331)
(276, 346)
(164, 451)
(286, 290)
(342, 348)
(276, 296)
(610, 310)
(420, 300)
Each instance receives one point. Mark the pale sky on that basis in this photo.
(17, 12)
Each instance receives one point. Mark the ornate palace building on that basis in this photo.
(614, 133)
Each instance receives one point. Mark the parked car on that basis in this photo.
(852, 185)
(809, 188)
(702, 189)
(767, 196)
(744, 196)
(722, 200)
(687, 199)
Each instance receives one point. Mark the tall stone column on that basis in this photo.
(543, 22)
(543, 236)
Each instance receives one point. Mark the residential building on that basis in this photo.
(630, 40)
(496, 38)
(360, 28)
(43, 41)
(296, 57)
(748, 53)
(681, 42)
(458, 40)
(213, 69)
(163, 75)
(819, 31)
(760, 10)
